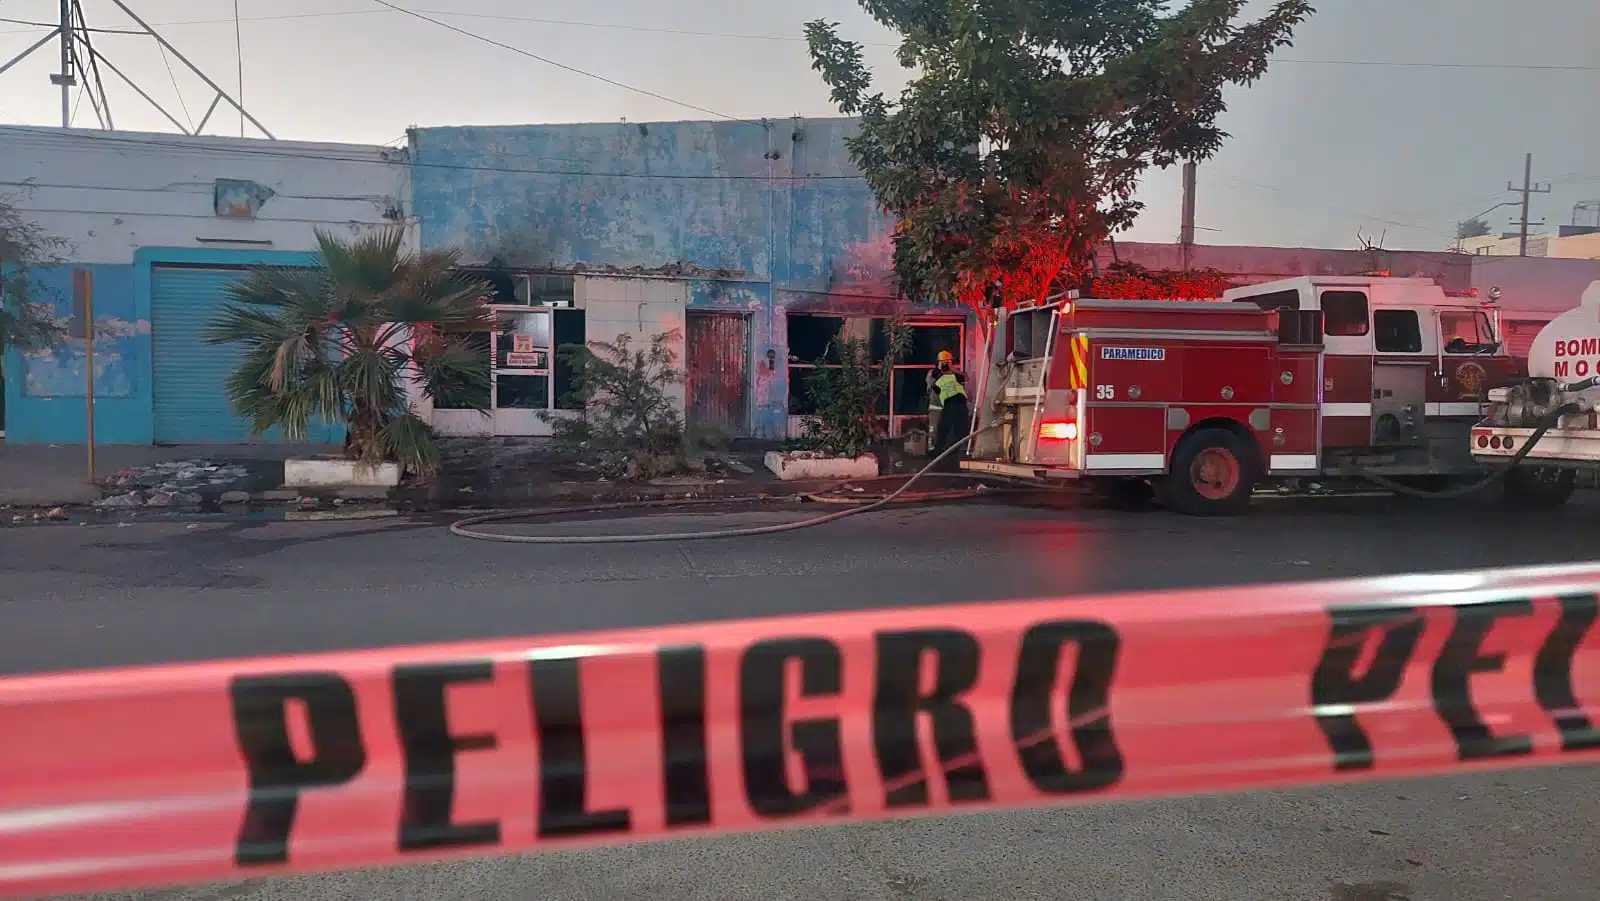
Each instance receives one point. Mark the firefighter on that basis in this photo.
(949, 398)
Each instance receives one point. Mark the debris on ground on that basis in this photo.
(126, 499)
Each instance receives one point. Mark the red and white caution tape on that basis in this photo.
(118, 779)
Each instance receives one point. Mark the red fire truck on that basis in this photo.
(1311, 379)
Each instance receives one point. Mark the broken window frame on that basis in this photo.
(897, 422)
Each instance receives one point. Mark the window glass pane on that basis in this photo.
(1398, 332)
(911, 391)
(552, 289)
(569, 329)
(1465, 332)
(524, 335)
(799, 398)
(522, 392)
(1344, 313)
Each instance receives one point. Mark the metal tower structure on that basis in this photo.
(1586, 206)
(82, 61)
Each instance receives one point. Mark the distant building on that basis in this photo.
(1570, 242)
(757, 243)
(158, 225)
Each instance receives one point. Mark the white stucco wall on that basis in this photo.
(639, 307)
(1534, 284)
(110, 193)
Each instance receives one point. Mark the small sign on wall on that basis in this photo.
(526, 360)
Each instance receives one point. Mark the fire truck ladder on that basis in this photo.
(1054, 304)
(1044, 376)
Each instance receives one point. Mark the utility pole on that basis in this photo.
(1186, 230)
(1528, 188)
(67, 79)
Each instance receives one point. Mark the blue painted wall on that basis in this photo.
(765, 218)
(46, 391)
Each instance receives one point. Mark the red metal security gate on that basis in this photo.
(717, 363)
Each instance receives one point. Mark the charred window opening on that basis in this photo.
(813, 344)
(814, 338)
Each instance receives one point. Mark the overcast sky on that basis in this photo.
(1392, 118)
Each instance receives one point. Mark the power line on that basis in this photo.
(1406, 64)
(175, 89)
(40, 137)
(1289, 201)
(649, 29)
(550, 62)
(238, 52)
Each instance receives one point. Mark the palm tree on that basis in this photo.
(339, 340)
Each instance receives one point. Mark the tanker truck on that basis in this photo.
(1542, 433)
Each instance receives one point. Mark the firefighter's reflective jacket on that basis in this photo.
(945, 387)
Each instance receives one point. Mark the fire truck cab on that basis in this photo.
(1312, 378)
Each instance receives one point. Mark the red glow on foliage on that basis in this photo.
(1129, 281)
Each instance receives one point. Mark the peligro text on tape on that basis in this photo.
(214, 771)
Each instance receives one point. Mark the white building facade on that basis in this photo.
(156, 226)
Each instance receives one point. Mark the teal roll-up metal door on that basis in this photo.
(188, 374)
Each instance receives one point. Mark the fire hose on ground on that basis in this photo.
(464, 528)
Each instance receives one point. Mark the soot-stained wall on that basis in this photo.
(766, 218)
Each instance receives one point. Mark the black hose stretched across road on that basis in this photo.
(1546, 424)
(464, 528)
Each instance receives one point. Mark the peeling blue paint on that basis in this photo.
(45, 396)
(773, 215)
(239, 198)
(46, 391)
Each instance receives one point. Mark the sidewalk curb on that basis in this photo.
(335, 515)
(365, 503)
(565, 493)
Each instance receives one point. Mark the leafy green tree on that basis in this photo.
(1018, 144)
(340, 340)
(27, 320)
(1472, 228)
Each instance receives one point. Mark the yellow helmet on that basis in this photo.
(946, 356)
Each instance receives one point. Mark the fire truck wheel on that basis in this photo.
(1213, 474)
(1539, 487)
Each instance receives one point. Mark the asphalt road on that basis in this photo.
(75, 596)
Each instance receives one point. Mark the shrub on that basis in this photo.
(630, 426)
(847, 394)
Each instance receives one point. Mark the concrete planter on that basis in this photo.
(331, 473)
(797, 465)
